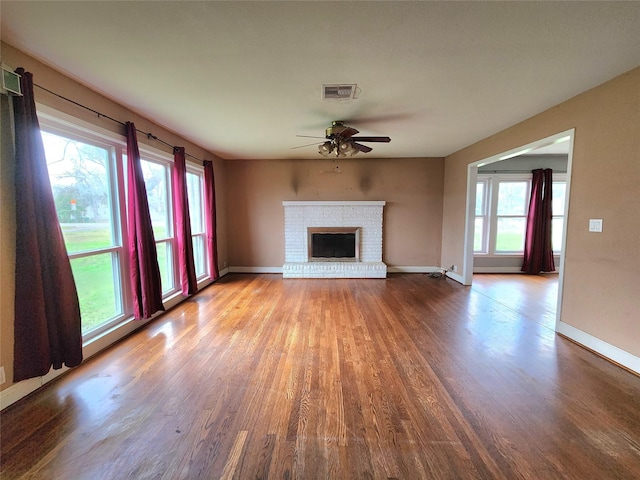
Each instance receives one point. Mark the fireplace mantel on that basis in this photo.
(333, 203)
(301, 215)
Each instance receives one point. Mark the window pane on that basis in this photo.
(478, 235)
(198, 255)
(557, 224)
(480, 198)
(510, 235)
(558, 190)
(512, 198)
(95, 282)
(196, 215)
(165, 263)
(194, 194)
(155, 180)
(79, 175)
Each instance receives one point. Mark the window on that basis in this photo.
(82, 176)
(156, 171)
(511, 216)
(502, 204)
(481, 228)
(558, 192)
(195, 184)
(156, 179)
(87, 170)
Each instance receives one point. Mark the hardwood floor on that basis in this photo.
(409, 377)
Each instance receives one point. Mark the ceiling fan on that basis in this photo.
(341, 141)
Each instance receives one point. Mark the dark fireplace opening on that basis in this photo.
(333, 245)
(338, 243)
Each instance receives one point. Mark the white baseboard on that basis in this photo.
(407, 269)
(601, 347)
(497, 270)
(255, 269)
(456, 276)
(19, 390)
(425, 269)
(505, 270)
(396, 269)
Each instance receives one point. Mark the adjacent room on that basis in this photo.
(311, 239)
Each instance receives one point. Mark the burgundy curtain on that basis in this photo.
(183, 224)
(210, 219)
(538, 255)
(143, 258)
(47, 329)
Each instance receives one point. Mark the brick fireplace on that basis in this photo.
(302, 217)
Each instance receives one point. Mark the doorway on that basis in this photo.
(545, 144)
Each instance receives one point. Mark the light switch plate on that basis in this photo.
(595, 224)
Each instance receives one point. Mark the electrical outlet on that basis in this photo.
(454, 268)
(3, 377)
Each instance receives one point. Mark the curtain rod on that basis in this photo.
(149, 135)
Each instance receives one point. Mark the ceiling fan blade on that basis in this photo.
(348, 132)
(308, 136)
(362, 148)
(372, 139)
(308, 145)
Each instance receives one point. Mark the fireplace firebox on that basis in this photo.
(334, 244)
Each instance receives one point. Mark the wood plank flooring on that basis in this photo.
(408, 377)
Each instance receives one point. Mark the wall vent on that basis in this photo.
(339, 91)
(10, 82)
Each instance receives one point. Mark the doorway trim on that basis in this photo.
(472, 176)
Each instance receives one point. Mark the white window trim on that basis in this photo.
(166, 161)
(199, 171)
(491, 201)
(485, 215)
(49, 122)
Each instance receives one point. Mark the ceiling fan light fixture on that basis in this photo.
(341, 141)
(325, 149)
(347, 148)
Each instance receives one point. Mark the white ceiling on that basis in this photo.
(242, 79)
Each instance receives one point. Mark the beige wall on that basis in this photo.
(601, 294)
(412, 189)
(58, 83)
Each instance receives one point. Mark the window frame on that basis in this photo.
(484, 216)
(492, 184)
(559, 178)
(166, 161)
(495, 220)
(198, 170)
(51, 123)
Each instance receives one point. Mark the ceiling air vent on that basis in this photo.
(339, 92)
